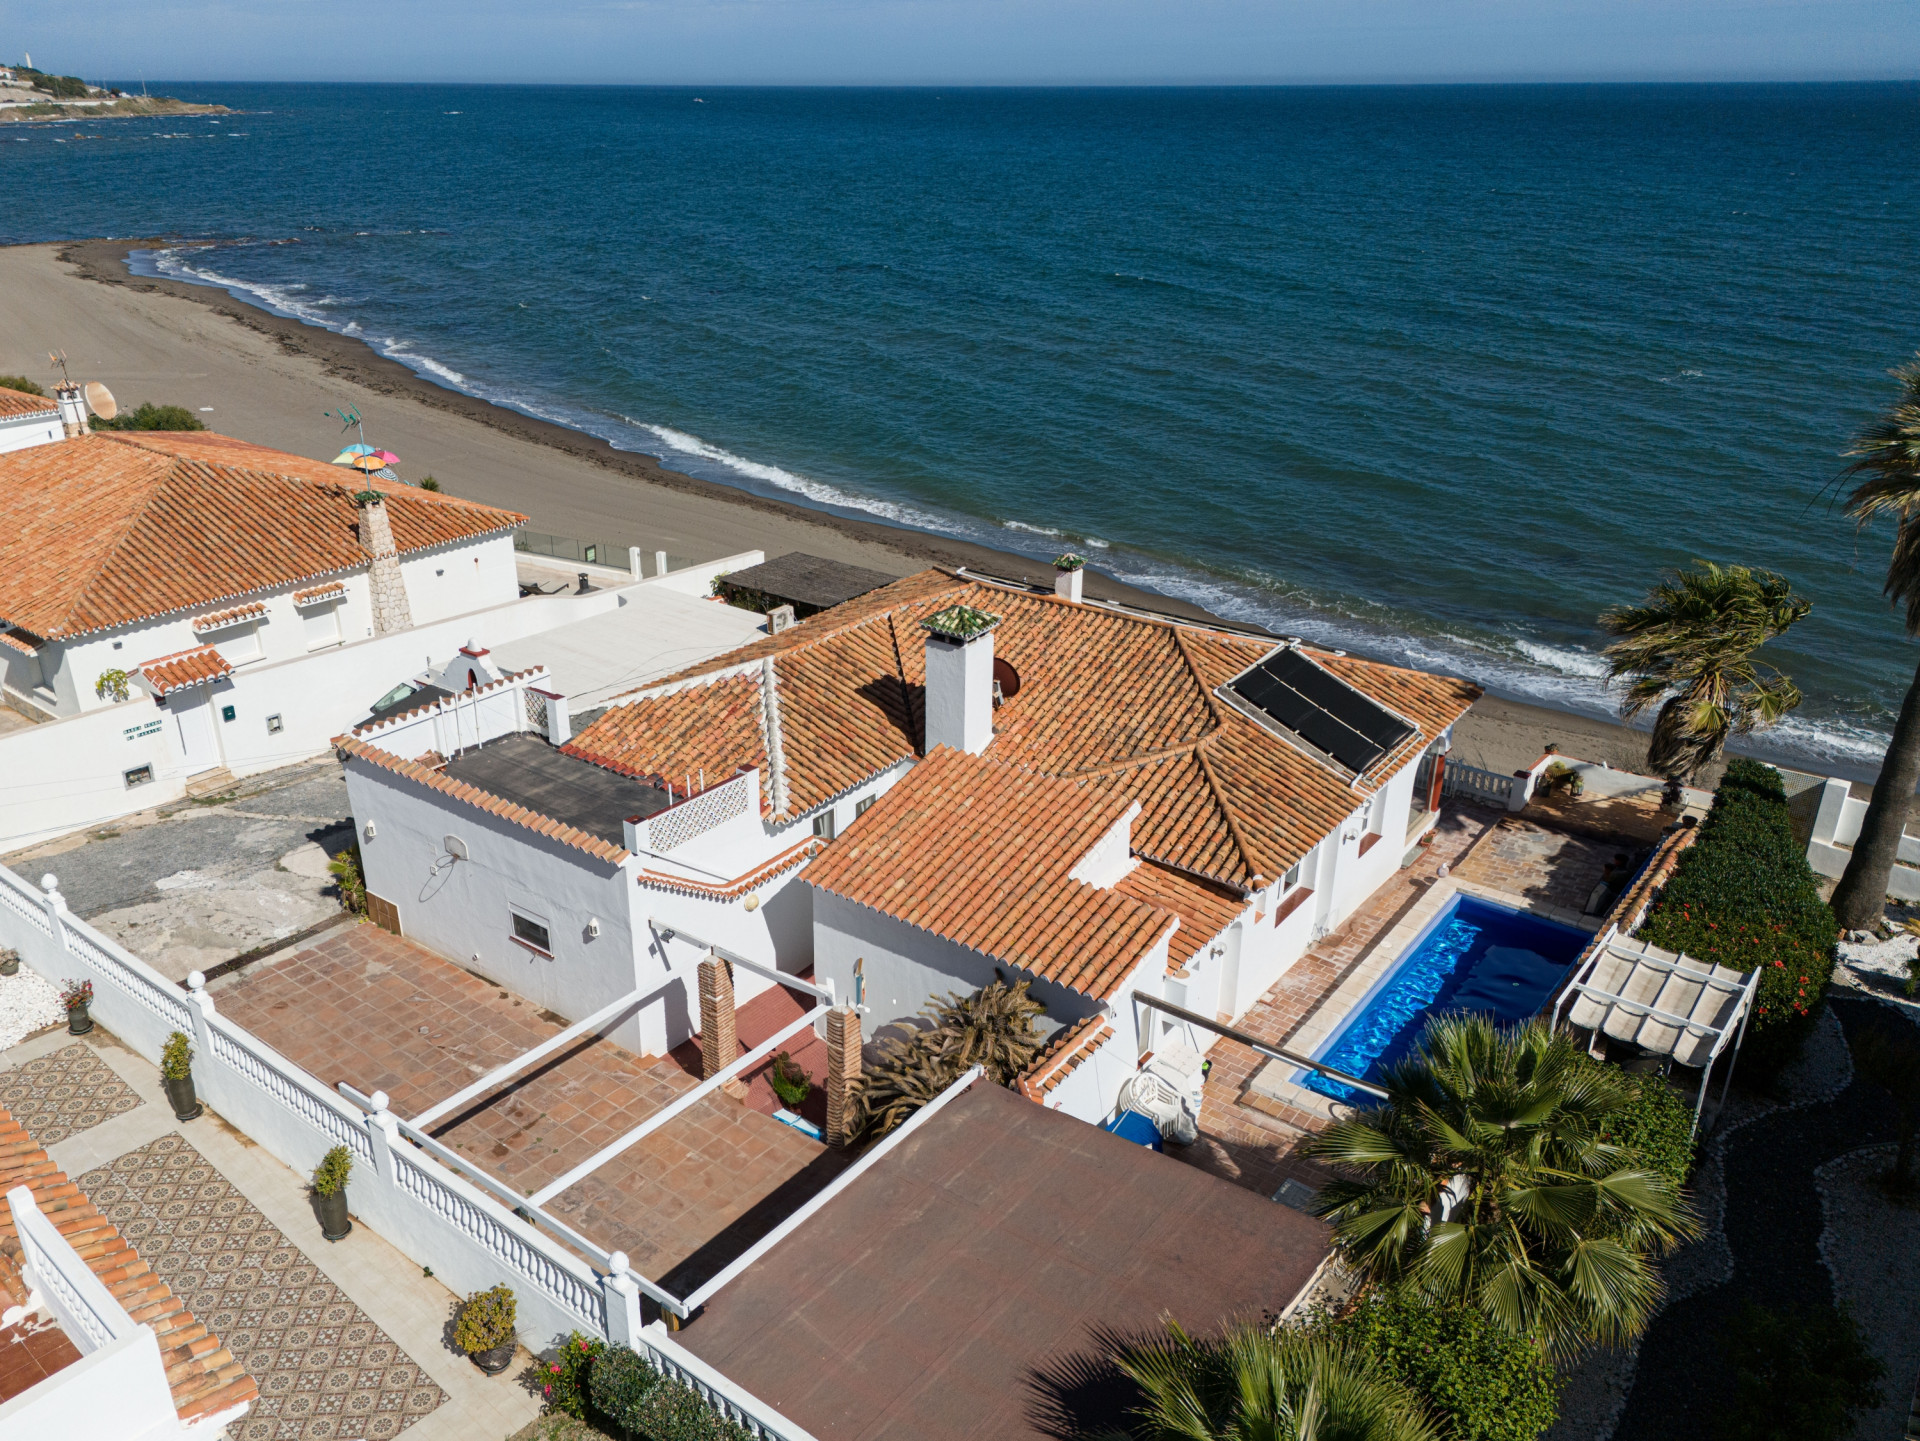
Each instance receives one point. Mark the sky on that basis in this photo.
(967, 41)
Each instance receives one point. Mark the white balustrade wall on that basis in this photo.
(427, 1210)
(1836, 826)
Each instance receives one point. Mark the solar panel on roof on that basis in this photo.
(1320, 708)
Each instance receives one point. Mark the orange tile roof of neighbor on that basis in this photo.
(18, 402)
(184, 668)
(202, 1373)
(978, 852)
(122, 526)
(1123, 701)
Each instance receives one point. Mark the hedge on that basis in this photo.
(1658, 1125)
(1481, 1382)
(151, 417)
(1744, 896)
(622, 1392)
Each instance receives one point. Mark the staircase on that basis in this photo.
(210, 783)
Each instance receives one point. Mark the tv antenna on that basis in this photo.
(59, 358)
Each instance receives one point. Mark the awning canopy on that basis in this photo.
(1667, 1004)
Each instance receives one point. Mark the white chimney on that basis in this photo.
(73, 409)
(960, 678)
(1069, 573)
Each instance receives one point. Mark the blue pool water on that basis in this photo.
(1472, 957)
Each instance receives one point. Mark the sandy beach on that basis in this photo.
(267, 379)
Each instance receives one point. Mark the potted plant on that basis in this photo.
(1069, 561)
(176, 1075)
(76, 996)
(789, 1080)
(9, 962)
(484, 1329)
(330, 1193)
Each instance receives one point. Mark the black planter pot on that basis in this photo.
(335, 1223)
(78, 1021)
(495, 1361)
(180, 1096)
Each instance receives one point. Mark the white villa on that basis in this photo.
(28, 420)
(941, 780)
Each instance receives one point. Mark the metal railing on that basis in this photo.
(1277, 1053)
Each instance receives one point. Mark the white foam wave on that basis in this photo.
(814, 490)
(1045, 530)
(1566, 661)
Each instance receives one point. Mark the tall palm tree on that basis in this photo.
(1886, 459)
(1482, 1180)
(1689, 648)
(1260, 1384)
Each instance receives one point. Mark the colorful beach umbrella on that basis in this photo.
(347, 456)
(374, 460)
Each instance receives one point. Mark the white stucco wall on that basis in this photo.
(449, 580)
(17, 432)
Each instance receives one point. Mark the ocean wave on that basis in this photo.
(815, 490)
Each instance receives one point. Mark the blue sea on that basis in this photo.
(1435, 373)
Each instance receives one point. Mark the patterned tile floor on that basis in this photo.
(326, 1372)
(65, 1093)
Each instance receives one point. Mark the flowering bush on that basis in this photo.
(74, 994)
(1745, 897)
(564, 1383)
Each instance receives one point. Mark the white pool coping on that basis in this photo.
(1275, 1079)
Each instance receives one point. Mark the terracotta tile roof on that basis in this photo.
(1124, 701)
(19, 640)
(184, 668)
(319, 592)
(18, 402)
(346, 747)
(205, 1378)
(733, 890)
(1205, 909)
(1071, 1047)
(124, 525)
(214, 620)
(979, 852)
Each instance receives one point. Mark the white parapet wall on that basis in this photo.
(1836, 826)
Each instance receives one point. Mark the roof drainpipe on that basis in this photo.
(776, 753)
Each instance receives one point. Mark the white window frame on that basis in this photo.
(518, 914)
(826, 825)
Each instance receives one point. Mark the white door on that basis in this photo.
(194, 716)
(1230, 972)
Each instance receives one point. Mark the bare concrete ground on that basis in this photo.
(198, 883)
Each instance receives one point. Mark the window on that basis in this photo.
(139, 776)
(861, 806)
(322, 625)
(823, 825)
(240, 644)
(532, 934)
(1292, 877)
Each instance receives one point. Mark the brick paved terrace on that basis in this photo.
(1254, 1141)
(381, 1013)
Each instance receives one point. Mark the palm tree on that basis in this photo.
(1482, 1180)
(1887, 462)
(993, 1028)
(1689, 649)
(1260, 1384)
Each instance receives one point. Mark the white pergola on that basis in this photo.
(1665, 1002)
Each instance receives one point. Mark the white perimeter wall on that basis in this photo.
(119, 1393)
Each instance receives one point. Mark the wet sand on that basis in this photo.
(268, 379)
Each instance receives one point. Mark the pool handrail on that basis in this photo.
(1275, 1052)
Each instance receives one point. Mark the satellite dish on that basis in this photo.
(1007, 676)
(100, 401)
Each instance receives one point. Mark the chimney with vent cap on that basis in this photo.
(73, 410)
(960, 678)
(389, 590)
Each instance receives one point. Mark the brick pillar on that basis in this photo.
(843, 1069)
(388, 590)
(719, 1046)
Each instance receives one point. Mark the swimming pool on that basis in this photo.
(1473, 956)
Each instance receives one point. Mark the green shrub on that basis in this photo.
(112, 685)
(330, 1176)
(176, 1057)
(620, 1385)
(20, 383)
(61, 87)
(348, 881)
(152, 417)
(1482, 1382)
(564, 1385)
(486, 1319)
(1658, 1125)
(1744, 896)
(789, 1080)
(1798, 1376)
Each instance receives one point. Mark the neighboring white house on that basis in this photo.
(27, 420)
(969, 777)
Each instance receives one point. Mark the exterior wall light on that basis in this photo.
(370, 831)
(593, 925)
(753, 903)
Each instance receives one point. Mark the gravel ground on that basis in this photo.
(1872, 1247)
(193, 886)
(1772, 1227)
(27, 1004)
